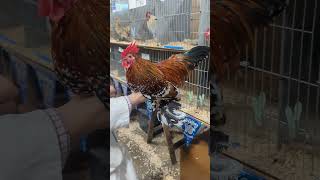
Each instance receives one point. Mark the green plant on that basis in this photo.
(201, 100)
(258, 104)
(293, 118)
(190, 96)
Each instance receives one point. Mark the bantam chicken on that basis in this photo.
(159, 81)
(234, 23)
(79, 43)
(123, 32)
(151, 23)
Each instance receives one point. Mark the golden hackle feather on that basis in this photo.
(80, 52)
(80, 39)
(144, 72)
(175, 69)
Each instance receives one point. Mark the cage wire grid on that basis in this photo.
(179, 22)
(283, 64)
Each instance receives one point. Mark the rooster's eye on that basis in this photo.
(130, 56)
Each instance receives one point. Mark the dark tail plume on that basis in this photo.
(273, 7)
(197, 55)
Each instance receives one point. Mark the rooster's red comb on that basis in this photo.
(207, 33)
(54, 9)
(148, 14)
(131, 49)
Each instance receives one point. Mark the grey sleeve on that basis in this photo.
(30, 147)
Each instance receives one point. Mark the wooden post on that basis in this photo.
(151, 126)
(170, 144)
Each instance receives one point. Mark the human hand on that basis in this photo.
(113, 91)
(83, 115)
(136, 98)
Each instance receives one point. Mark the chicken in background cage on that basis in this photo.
(177, 24)
(162, 29)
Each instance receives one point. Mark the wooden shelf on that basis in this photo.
(148, 47)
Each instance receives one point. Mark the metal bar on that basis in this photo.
(281, 88)
(188, 82)
(282, 76)
(299, 73)
(301, 47)
(263, 56)
(292, 29)
(311, 55)
(291, 51)
(251, 167)
(246, 71)
(272, 62)
(255, 59)
(317, 115)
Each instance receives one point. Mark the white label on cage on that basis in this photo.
(119, 7)
(120, 49)
(136, 3)
(145, 56)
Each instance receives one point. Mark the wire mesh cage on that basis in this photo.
(21, 25)
(272, 103)
(181, 24)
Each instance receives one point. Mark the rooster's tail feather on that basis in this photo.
(197, 55)
(273, 7)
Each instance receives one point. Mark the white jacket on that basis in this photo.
(121, 166)
(29, 147)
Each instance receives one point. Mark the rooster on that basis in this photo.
(234, 23)
(122, 32)
(78, 43)
(151, 23)
(159, 81)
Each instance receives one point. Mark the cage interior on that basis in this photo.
(272, 103)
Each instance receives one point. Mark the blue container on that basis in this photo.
(246, 175)
(174, 47)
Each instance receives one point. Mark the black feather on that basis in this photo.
(197, 55)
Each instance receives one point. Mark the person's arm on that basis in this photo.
(120, 109)
(83, 115)
(37, 143)
(29, 148)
